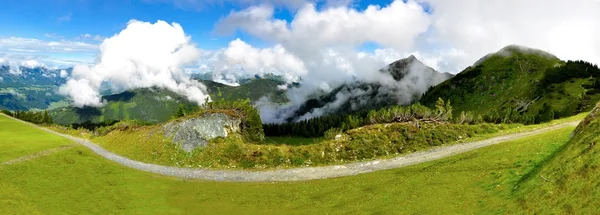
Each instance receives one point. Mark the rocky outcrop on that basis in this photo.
(196, 132)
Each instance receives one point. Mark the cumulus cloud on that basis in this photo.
(240, 58)
(321, 45)
(142, 55)
(63, 73)
(567, 29)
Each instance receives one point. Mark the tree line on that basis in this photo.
(37, 117)
(318, 126)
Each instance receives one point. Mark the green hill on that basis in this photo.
(150, 105)
(156, 105)
(519, 84)
(568, 182)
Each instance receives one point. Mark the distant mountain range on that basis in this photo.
(157, 105)
(515, 84)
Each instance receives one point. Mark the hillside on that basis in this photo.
(156, 105)
(411, 78)
(568, 181)
(253, 89)
(519, 84)
(149, 105)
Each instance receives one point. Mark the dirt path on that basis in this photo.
(307, 173)
(36, 155)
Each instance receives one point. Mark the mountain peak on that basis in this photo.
(510, 50)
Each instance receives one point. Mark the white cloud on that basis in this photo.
(63, 73)
(567, 29)
(90, 37)
(142, 55)
(239, 58)
(396, 25)
(31, 64)
(19, 44)
(325, 41)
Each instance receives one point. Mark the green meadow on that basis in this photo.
(76, 181)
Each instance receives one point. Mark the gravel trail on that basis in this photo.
(307, 173)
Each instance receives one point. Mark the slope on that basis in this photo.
(155, 105)
(568, 182)
(253, 89)
(76, 181)
(519, 84)
(409, 79)
(149, 105)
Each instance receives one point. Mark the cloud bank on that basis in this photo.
(142, 55)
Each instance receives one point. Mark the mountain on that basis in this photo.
(520, 84)
(567, 182)
(149, 104)
(254, 90)
(26, 88)
(155, 105)
(409, 78)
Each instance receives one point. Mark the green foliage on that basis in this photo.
(37, 117)
(147, 144)
(332, 133)
(180, 112)
(316, 127)
(253, 90)
(6, 112)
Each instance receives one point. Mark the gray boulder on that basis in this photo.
(196, 132)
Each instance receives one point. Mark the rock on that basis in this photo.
(196, 132)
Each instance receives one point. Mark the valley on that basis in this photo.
(299, 107)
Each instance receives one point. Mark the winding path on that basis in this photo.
(306, 173)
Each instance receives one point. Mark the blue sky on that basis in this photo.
(69, 19)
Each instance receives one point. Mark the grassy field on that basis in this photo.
(18, 139)
(76, 181)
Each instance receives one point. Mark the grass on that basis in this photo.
(25, 140)
(76, 181)
(291, 141)
(147, 144)
(568, 180)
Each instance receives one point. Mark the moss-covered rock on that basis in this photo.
(192, 133)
